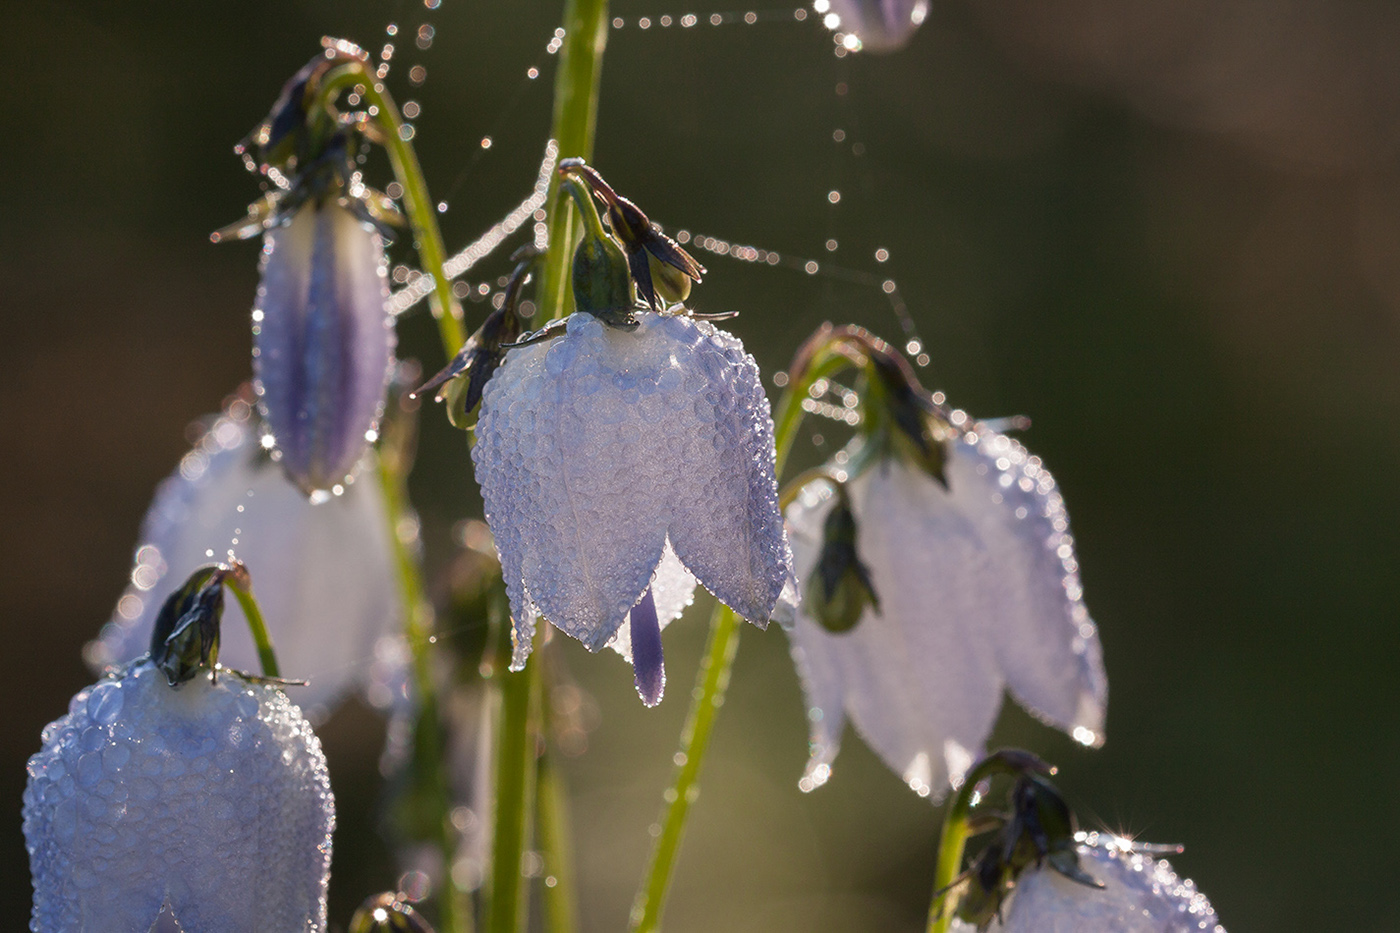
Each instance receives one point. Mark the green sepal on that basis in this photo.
(601, 278)
(840, 590)
(185, 638)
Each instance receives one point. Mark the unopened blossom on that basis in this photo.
(880, 25)
(324, 572)
(605, 450)
(978, 592)
(323, 340)
(1140, 894)
(209, 800)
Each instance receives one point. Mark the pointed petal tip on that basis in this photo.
(648, 664)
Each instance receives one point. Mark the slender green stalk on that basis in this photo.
(575, 119)
(950, 855)
(695, 741)
(243, 592)
(422, 213)
(454, 913)
(516, 754)
(557, 844)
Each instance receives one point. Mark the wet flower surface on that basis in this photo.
(1140, 895)
(212, 796)
(324, 341)
(322, 572)
(601, 450)
(978, 592)
(881, 25)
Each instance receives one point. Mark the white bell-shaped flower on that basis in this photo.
(324, 573)
(880, 25)
(323, 345)
(210, 799)
(978, 591)
(605, 452)
(1140, 894)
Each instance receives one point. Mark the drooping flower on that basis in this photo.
(323, 341)
(205, 801)
(1140, 894)
(966, 543)
(880, 25)
(604, 452)
(622, 454)
(324, 572)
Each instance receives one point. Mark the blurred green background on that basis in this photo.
(1167, 231)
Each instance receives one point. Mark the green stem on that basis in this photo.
(243, 592)
(575, 119)
(695, 741)
(454, 915)
(422, 213)
(516, 758)
(557, 845)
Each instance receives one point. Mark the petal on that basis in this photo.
(1046, 644)
(881, 25)
(919, 682)
(575, 487)
(1140, 895)
(323, 574)
(726, 527)
(823, 684)
(672, 589)
(647, 659)
(324, 342)
(215, 796)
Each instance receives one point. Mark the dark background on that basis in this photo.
(1167, 231)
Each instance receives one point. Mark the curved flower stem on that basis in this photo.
(575, 119)
(950, 854)
(454, 915)
(557, 844)
(243, 592)
(953, 840)
(695, 740)
(422, 215)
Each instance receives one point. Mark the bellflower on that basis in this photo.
(1140, 894)
(323, 340)
(962, 545)
(324, 572)
(166, 793)
(880, 25)
(623, 454)
(603, 456)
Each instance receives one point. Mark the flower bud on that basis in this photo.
(323, 341)
(210, 799)
(601, 451)
(880, 25)
(840, 587)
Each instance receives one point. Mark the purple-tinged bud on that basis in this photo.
(323, 342)
(880, 25)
